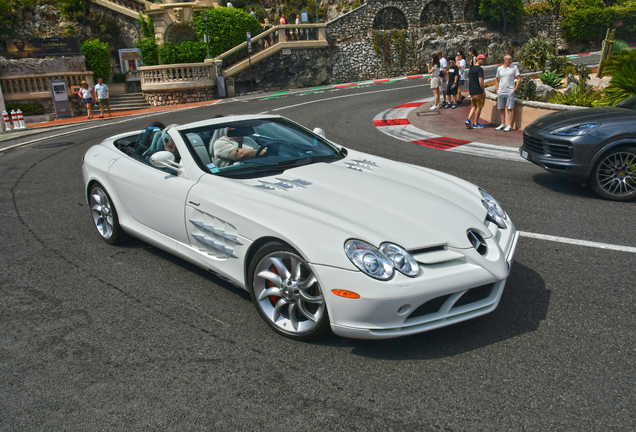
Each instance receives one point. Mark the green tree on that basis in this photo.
(97, 58)
(150, 50)
(226, 27)
(501, 13)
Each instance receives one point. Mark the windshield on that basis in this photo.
(247, 147)
(629, 103)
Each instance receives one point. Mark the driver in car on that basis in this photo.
(235, 146)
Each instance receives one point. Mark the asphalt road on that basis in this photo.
(96, 337)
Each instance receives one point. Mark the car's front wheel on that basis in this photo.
(614, 175)
(286, 292)
(105, 215)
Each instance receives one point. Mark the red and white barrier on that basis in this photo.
(7, 122)
(21, 124)
(14, 119)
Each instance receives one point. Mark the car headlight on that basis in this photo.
(368, 259)
(496, 213)
(577, 129)
(402, 260)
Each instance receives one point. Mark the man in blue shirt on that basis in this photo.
(103, 96)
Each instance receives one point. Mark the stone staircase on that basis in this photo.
(128, 101)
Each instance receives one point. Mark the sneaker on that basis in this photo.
(508, 128)
(447, 106)
(468, 125)
(478, 126)
(444, 104)
(434, 107)
(454, 106)
(500, 127)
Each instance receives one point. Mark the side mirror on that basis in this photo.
(165, 159)
(320, 132)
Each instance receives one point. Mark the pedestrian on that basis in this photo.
(505, 88)
(452, 80)
(229, 4)
(434, 79)
(86, 94)
(477, 92)
(472, 53)
(103, 96)
(461, 64)
(443, 70)
(282, 21)
(252, 13)
(267, 40)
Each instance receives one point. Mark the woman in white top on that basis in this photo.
(434, 79)
(86, 93)
(461, 62)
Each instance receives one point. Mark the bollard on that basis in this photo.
(7, 122)
(21, 123)
(14, 120)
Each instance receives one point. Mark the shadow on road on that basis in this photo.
(562, 185)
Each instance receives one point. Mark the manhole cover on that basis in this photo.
(52, 145)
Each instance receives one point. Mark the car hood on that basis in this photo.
(571, 117)
(371, 199)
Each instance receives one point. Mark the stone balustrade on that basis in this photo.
(36, 86)
(178, 83)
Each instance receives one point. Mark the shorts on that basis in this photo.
(451, 90)
(478, 101)
(460, 82)
(506, 100)
(103, 102)
(435, 82)
(88, 101)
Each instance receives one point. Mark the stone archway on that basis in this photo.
(436, 12)
(390, 18)
(180, 32)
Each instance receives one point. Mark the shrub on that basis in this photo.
(527, 89)
(579, 96)
(622, 85)
(226, 28)
(147, 26)
(490, 12)
(26, 108)
(119, 77)
(591, 24)
(583, 71)
(558, 63)
(150, 51)
(184, 52)
(619, 46)
(617, 60)
(551, 78)
(536, 9)
(97, 58)
(535, 53)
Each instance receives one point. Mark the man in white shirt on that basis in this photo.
(443, 70)
(506, 88)
(235, 147)
(103, 96)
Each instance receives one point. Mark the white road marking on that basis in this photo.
(576, 242)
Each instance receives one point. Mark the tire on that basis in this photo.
(614, 175)
(286, 293)
(105, 215)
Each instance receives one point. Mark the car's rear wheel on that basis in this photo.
(614, 175)
(105, 215)
(286, 292)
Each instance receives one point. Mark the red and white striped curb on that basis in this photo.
(394, 122)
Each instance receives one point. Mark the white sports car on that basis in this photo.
(321, 236)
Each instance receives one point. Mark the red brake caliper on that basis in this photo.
(270, 284)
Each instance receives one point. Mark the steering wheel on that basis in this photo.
(272, 149)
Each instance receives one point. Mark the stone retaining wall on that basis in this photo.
(175, 97)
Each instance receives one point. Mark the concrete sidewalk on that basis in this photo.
(450, 123)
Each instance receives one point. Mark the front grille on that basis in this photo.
(473, 295)
(558, 149)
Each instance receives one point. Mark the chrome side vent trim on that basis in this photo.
(214, 245)
(217, 232)
(361, 165)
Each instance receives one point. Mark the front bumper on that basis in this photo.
(564, 156)
(444, 294)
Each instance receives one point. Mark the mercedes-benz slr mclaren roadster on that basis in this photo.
(322, 237)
